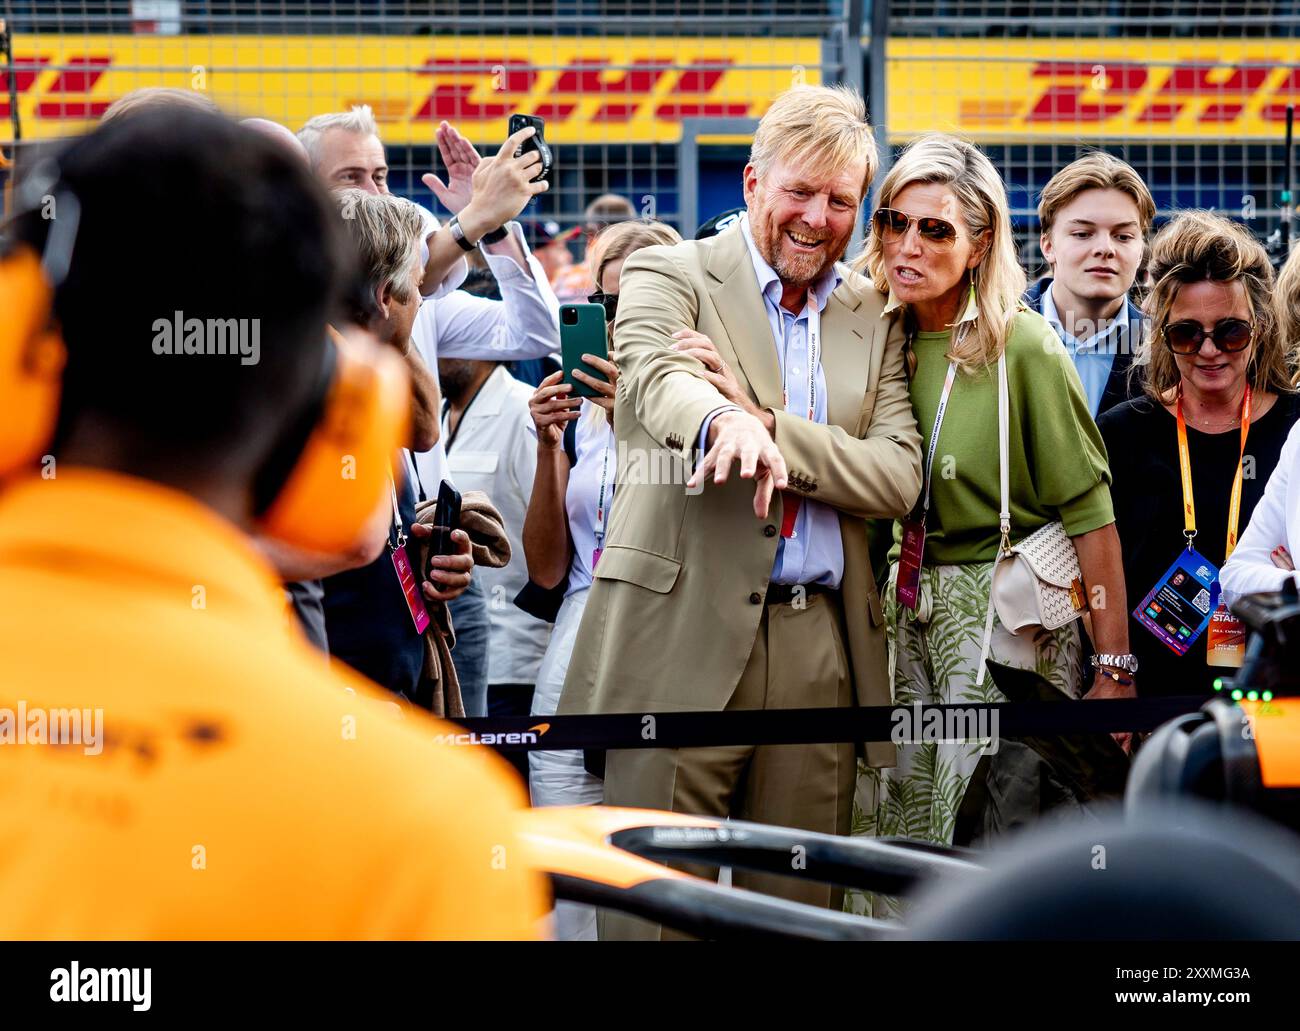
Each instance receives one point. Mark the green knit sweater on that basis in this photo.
(1058, 463)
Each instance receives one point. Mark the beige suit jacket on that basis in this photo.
(675, 605)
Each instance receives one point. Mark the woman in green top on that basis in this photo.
(941, 245)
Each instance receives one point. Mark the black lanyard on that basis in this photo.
(415, 471)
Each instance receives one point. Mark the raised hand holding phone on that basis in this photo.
(534, 144)
(500, 186)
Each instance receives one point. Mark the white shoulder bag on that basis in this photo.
(1036, 582)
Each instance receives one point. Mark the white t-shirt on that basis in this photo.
(493, 451)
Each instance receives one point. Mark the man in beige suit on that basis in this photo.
(753, 591)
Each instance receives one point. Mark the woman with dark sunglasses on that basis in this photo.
(1190, 459)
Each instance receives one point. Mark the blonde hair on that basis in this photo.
(1286, 313)
(616, 242)
(999, 280)
(1094, 171)
(360, 121)
(151, 98)
(1196, 247)
(386, 232)
(822, 129)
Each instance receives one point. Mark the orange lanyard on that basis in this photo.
(1185, 462)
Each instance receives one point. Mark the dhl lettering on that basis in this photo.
(1081, 91)
(1287, 93)
(79, 76)
(1068, 101)
(585, 78)
(631, 89)
(25, 71)
(74, 79)
(489, 78)
(486, 89)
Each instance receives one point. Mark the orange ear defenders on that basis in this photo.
(327, 477)
(32, 356)
(341, 475)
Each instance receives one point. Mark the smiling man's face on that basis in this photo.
(350, 160)
(801, 221)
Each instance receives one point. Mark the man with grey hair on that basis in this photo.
(484, 196)
(370, 624)
(346, 153)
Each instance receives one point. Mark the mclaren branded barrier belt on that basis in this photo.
(816, 726)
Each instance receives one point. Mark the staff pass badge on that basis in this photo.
(1225, 639)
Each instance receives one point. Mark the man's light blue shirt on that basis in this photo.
(815, 552)
(1093, 358)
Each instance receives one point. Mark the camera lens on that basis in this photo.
(569, 316)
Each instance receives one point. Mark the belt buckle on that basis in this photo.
(784, 594)
(776, 594)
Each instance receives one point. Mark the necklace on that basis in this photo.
(1219, 423)
(1215, 425)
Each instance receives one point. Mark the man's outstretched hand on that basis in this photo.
(486, 193)
(460, 159)
(739, 437)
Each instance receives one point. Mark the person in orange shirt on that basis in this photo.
(575, 282)
(175, 761)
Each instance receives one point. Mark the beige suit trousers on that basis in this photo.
(799, 661)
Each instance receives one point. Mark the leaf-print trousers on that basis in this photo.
(933, 655)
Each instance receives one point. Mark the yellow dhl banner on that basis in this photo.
(588, 90)
(639, 89)
(1089, 89)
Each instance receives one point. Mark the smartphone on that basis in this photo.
(446, 518)
(582, 331)
(536, 143)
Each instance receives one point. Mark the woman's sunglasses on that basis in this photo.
(892, 225)
(608, 301)
(1229, 335)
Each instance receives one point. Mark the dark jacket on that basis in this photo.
(1118, 387)
(367, 621)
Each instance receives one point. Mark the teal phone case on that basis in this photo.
(585, 334)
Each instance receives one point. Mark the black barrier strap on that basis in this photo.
(816, 726)
(870, 864)
(711, 911)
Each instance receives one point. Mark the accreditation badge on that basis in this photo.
(410, 589)
(1178, 608)
(1225, 641)
(908, 587)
